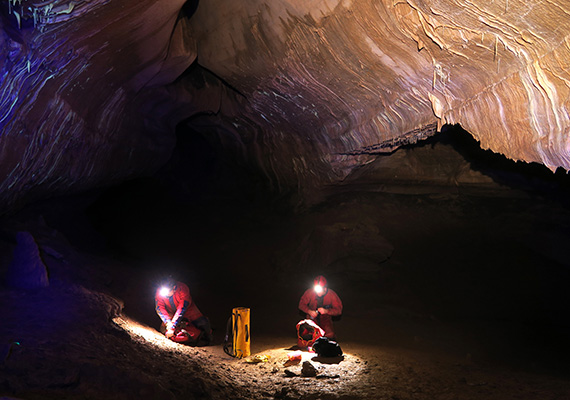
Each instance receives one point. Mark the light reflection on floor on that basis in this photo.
(269, 368)
(148, 334)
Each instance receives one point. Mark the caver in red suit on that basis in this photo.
(179, 314)
(321, 304)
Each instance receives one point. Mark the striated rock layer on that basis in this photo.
(81, 90)
(345, 79)
(306, 91)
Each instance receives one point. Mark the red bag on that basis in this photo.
(307, 332)
(189, 335)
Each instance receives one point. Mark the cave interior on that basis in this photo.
(451, 259)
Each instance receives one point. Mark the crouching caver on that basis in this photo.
(182, 321)
(320, 304)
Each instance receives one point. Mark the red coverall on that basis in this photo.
(330, 301)
(178, 306)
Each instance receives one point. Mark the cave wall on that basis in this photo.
(343, 79)
(82, 91)
(306, 92)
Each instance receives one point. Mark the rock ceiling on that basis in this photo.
(305, 91)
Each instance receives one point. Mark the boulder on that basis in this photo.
(308, 369)
(27, 269)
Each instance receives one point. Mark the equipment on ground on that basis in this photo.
(324, 347)
(185, 333)
(307, 332)
(237, 340)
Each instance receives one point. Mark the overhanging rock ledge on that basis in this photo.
(303, 91)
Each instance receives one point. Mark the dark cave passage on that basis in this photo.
(529, 177)
(423, 269)
(446, 253)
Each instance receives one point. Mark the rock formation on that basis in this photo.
(81, 81)
(27, 269)
(305, 92)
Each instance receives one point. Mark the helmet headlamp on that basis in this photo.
(320, 285)
(167, 287)
(165, 291)
(319, 289)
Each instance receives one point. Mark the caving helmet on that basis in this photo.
(167, 286)
(320, 285)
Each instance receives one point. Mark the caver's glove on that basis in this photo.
(313, 314)
(322, 310)
(169, 329)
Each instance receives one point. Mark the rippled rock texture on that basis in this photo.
(81, 91)
(305, 91)
(343, 79)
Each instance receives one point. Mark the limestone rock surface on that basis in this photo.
(345, 80)
(80, 88)
(305, 92)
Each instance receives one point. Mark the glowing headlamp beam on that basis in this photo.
(165, 291)
(318, 289)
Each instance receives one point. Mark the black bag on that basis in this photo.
(324, 347)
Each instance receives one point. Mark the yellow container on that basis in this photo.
(240, 332)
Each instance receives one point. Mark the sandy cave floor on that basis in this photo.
(124, 359)
(92, 333)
